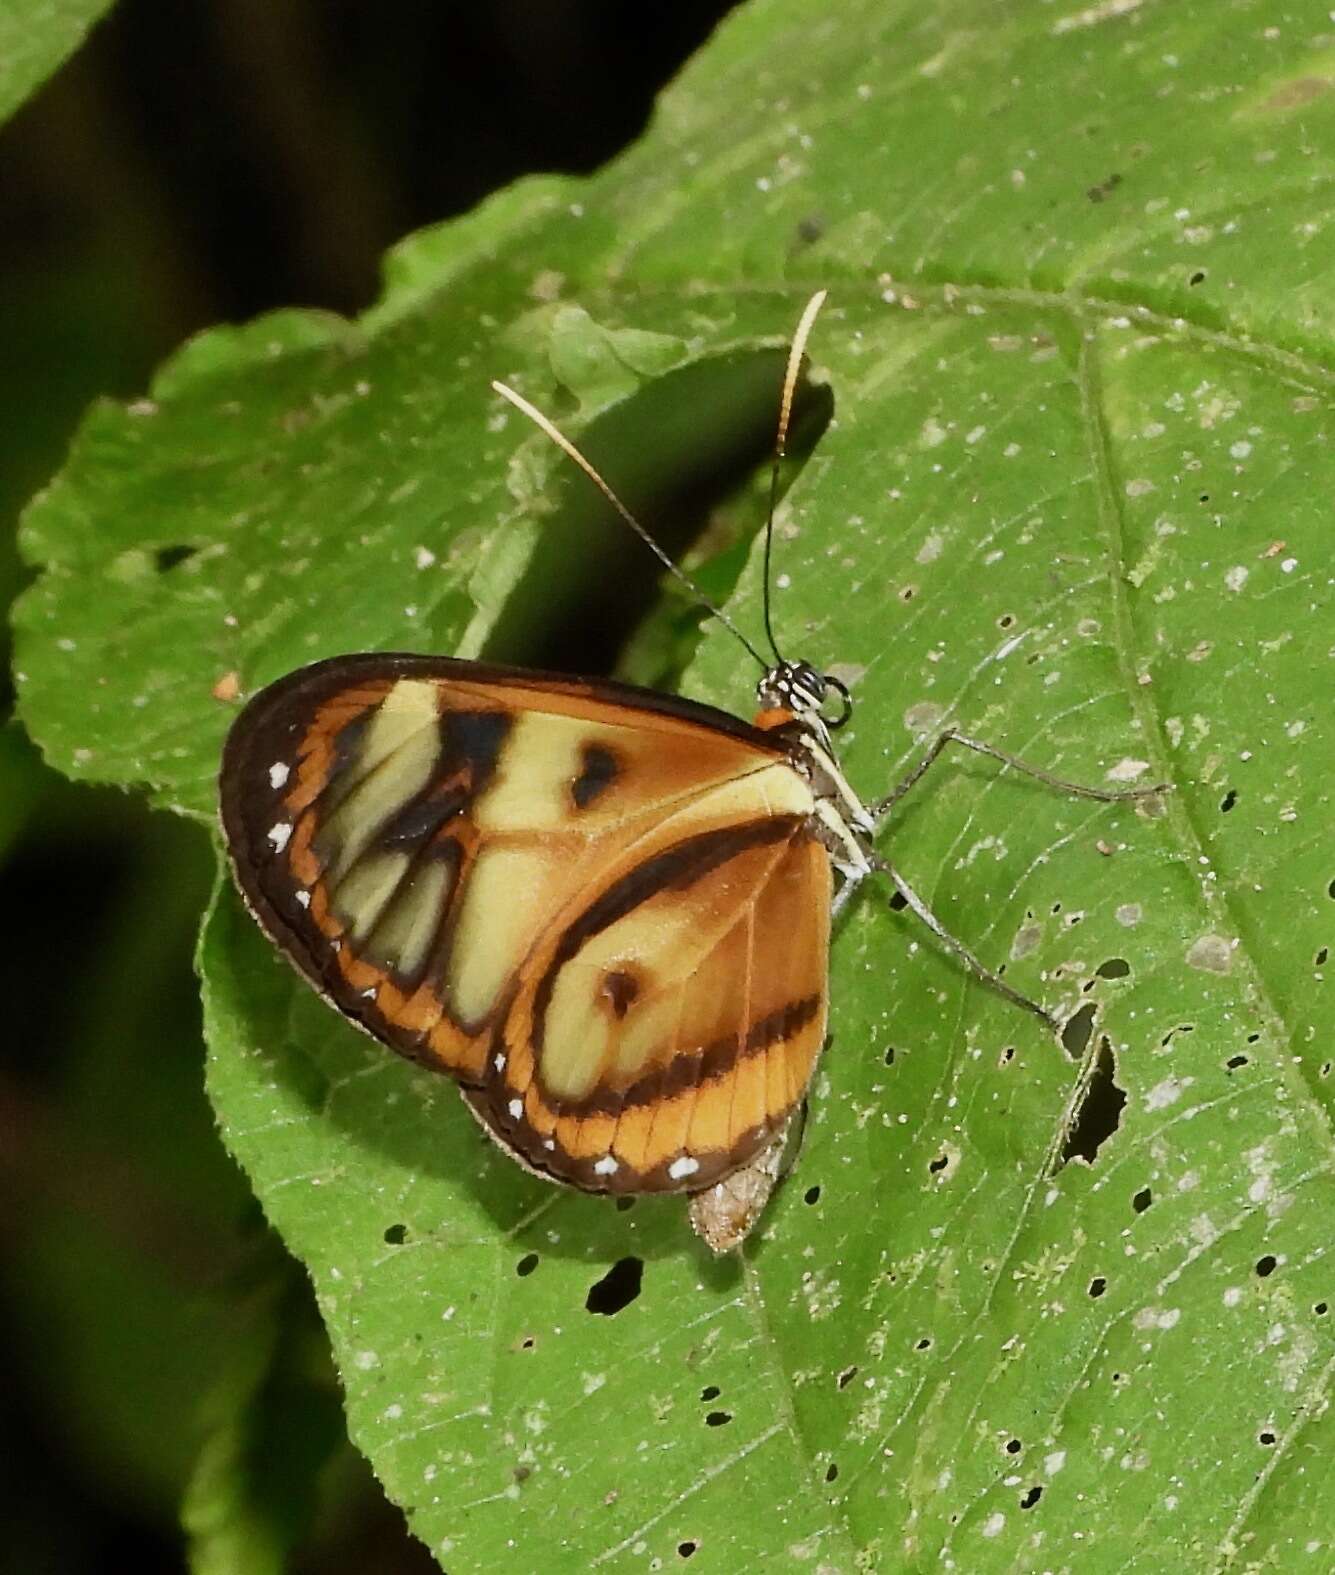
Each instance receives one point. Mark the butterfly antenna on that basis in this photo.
(781, 444)
(568, 448)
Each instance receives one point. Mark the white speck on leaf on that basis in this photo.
(1211, 954)
(925, 717)
(1167, 1092)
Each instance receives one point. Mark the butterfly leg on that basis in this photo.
(845, 892)
(979, 970)
(952, 735)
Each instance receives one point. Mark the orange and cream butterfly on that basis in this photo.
(605, 911)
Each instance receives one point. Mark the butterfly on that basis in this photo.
(605, 911)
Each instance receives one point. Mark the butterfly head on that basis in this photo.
(799, 688)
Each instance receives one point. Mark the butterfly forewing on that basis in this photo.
(602, 909)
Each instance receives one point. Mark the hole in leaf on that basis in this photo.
(908, 593)
(1320, 958)
(1007, 1056)
(846, 1377)
(889, 1057)
(898, 902)
(618, 1288)
(1197, 278)
(718, 1419)
(939, 1163)
(1031, 1497)
(1228, 801)
(1079, 1026)
(1330, 890)
(396, 1235)
(686, 1550)
(1265, 1266)
(1142, 1200)
(1097, 1286)
(1321, 1309)
(925, 1344)
(1100, 1111)
(165, 558)
(1114, 968)
(831, 1472)
(1182, 1028)
(811, 1195)
(526, 1265)
(1005, 621)
(1013, 1446)
(527, 1343)
(710, 1392)
(1235, 1061)
(1265, 1436)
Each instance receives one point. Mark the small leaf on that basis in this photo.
(36, 38)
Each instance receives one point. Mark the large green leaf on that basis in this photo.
(36, 38)
(1074, 498)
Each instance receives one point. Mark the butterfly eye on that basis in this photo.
(846, 703)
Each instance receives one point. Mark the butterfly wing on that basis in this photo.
(445, 849)
(666, 1025)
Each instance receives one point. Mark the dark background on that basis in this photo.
(191, 165)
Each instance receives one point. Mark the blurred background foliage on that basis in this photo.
(189, 166)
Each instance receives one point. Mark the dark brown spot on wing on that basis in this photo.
(599, 768)
(619, 990)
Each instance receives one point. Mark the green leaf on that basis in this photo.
(269, 1424)
(36, 38)
(123, 1196)
(1074, 499)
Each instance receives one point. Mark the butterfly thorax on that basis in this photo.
(792, 697)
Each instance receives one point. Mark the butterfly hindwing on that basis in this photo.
(663, 1030)
(601, 909)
